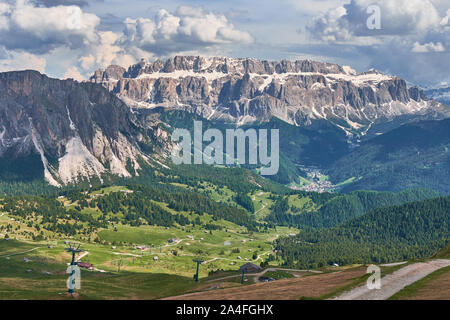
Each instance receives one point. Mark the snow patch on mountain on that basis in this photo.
(71, 124)
(242, 91)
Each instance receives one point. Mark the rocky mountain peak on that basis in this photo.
(77, 130)
(245, 90)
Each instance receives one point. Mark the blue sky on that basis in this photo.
(72, 38)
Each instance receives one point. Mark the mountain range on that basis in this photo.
(119, 121)
(300, 92)
(441, 94)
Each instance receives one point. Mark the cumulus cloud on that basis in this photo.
(185, 29)
(413, 35)
(41, 29)
(106, 52)
(10, 61)
(446, 20)
(400, 17)
(73, 73)
(315, 7)
(428, 47)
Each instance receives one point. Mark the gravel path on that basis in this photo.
(396, 281)
(18, 253)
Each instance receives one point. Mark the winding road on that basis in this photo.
(396, 281)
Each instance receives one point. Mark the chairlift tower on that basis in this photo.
(198, 261)
(74, 250)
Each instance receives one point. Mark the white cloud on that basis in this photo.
(428, 47)
(73, 73)
(45, 30)
(446, 20)
(5, 9)
(22, 61)
(185, 29)
(398, 18)
(106, 52)
(408, 27)
(315, 7)
(40, 29)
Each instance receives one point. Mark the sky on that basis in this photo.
(73, 38)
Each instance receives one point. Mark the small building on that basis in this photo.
(155, 258)
(85, 265)
(250, 268)
(127, 191)
(171, 240)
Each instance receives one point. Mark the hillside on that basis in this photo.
(444, 253)
(412, 156)
(341, 208)
(318, 145)
(389, 234)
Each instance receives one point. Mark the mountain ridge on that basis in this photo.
(250, 90)
(78, 130)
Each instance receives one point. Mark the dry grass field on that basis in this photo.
(314, 286)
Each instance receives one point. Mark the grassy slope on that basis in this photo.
(430, 280)
(414, 289)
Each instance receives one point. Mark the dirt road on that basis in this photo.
(396, 281)
(18, 253)
(81, 256)
(256, 276)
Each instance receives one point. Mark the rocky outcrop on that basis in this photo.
(79, 130)
(246, 90)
